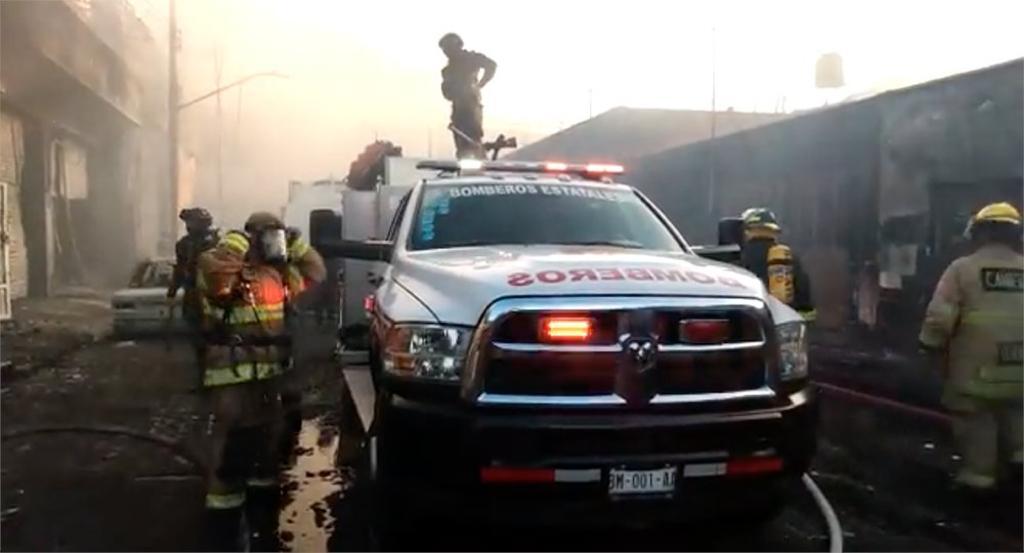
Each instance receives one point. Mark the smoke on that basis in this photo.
(360, 71)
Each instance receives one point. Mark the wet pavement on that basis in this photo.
(313, 483)
(102, 446)
(886, 475)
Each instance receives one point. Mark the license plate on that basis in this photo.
(638, 482)
(1011, 353)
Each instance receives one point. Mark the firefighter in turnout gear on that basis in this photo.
(246, 283)
(201, 236)
(975, 322)
(774, 263)
(460, 84)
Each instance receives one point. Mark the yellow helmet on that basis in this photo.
(1001, 212)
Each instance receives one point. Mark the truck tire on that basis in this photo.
(395, 528)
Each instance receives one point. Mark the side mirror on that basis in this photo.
(730, 231)
(729, 253)
(324, 224)
(368, 250)
(325, 236)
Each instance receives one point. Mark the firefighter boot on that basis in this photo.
(262, 510)
(225, 530)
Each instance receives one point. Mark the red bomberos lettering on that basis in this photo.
(629, 273)
(520, 279)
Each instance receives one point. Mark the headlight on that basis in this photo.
(426, 351)
(792, 350)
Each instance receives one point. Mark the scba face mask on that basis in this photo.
(274, 244)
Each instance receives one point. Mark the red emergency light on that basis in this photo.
(744, 466)
(604, 169)
(472, 166)
(704, 331)
(566, 329)
(512, 475)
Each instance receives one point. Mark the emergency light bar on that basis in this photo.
(469, 166)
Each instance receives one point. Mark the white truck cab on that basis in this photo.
(543, 337)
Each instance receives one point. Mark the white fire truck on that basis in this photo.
(545, 345)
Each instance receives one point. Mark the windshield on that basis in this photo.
(528, 213)
(152, 274)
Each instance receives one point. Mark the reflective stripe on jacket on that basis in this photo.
(246, 314)
(242, 372)
(977, 315)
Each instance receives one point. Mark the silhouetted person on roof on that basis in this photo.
(460, 84)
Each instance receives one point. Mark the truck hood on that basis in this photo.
(458, 284)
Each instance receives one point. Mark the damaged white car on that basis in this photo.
(141, 309)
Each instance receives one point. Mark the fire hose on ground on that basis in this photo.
(176, 446)
(835, 531)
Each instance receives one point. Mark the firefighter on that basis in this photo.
(200, 236)
(460, 84)
(974, 320)
(246, 283)
(774, 263)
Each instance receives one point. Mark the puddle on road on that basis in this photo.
(312, 484)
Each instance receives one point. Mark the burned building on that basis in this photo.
(82, 143)
(874, 194)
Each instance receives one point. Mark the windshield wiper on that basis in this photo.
(616, 243)
(474, 243)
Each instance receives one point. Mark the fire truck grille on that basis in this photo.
(637, 354)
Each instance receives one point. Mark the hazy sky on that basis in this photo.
(361, 69)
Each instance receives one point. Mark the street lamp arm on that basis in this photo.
(241, 81)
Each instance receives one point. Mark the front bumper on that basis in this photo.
(431, 454)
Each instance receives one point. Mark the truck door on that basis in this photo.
(368, 214)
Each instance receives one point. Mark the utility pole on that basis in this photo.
(714, 122)
(172, 115)
(174, 107)
(219, 66)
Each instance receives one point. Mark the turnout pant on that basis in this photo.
(243, 445)
(468, 117)
(988, 433)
